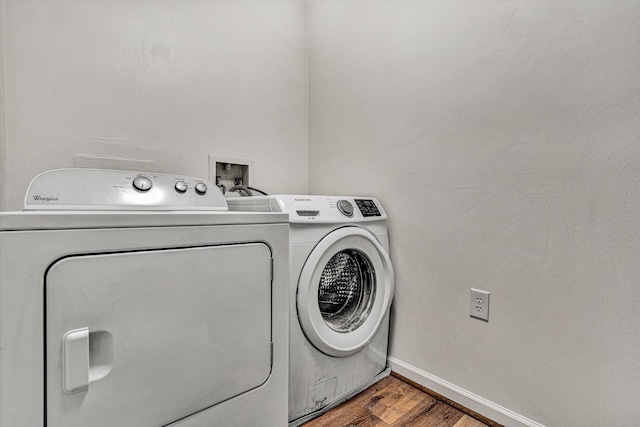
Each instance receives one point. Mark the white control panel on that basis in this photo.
(308, 209)
(331, 208)
(102, 189)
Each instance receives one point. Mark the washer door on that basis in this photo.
(344, 291)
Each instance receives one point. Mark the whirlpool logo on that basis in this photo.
(38, 198)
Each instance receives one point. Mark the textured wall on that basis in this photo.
(503, 139)
(3, 145)
(156, 86)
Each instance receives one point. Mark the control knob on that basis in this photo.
(201, 188)
(345, 207)
(142, 183)
(181, 187)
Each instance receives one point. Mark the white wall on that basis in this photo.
(155, 86)
(503, 139)
(3, 145)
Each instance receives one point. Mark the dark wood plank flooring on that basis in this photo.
(392, 402)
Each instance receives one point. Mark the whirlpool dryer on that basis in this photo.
(136, 299)
(341, 289)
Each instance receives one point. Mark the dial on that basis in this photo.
(201, 188)
(142, 183)
(345, 207)
(181, 186)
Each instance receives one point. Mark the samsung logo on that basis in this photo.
(44, 199)
(302, 200)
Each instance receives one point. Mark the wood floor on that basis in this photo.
(392, 402)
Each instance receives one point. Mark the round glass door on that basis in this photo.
(344, 291)
(347, 290)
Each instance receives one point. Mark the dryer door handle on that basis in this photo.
(75, 356)
(87, 357)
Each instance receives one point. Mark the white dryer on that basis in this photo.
(135, 299)
(341, 289)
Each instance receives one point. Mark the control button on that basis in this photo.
(181, 186)
(345, 207)
(201, 188)
(142, 183)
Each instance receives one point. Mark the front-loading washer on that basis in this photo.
(136, 299)
(341, 289)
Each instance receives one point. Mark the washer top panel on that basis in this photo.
(102, 189)
(318, 209)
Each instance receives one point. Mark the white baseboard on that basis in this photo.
(459, 395)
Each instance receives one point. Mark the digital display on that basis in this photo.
(367, 207)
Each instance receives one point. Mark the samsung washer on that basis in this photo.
(136, 299)
(341, 288)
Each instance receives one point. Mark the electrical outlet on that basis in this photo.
(479, 307)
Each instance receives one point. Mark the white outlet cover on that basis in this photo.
(479, 304)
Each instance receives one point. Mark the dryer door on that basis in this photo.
(146, 338)
(344, 291)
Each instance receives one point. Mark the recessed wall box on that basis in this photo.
(228, 172)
